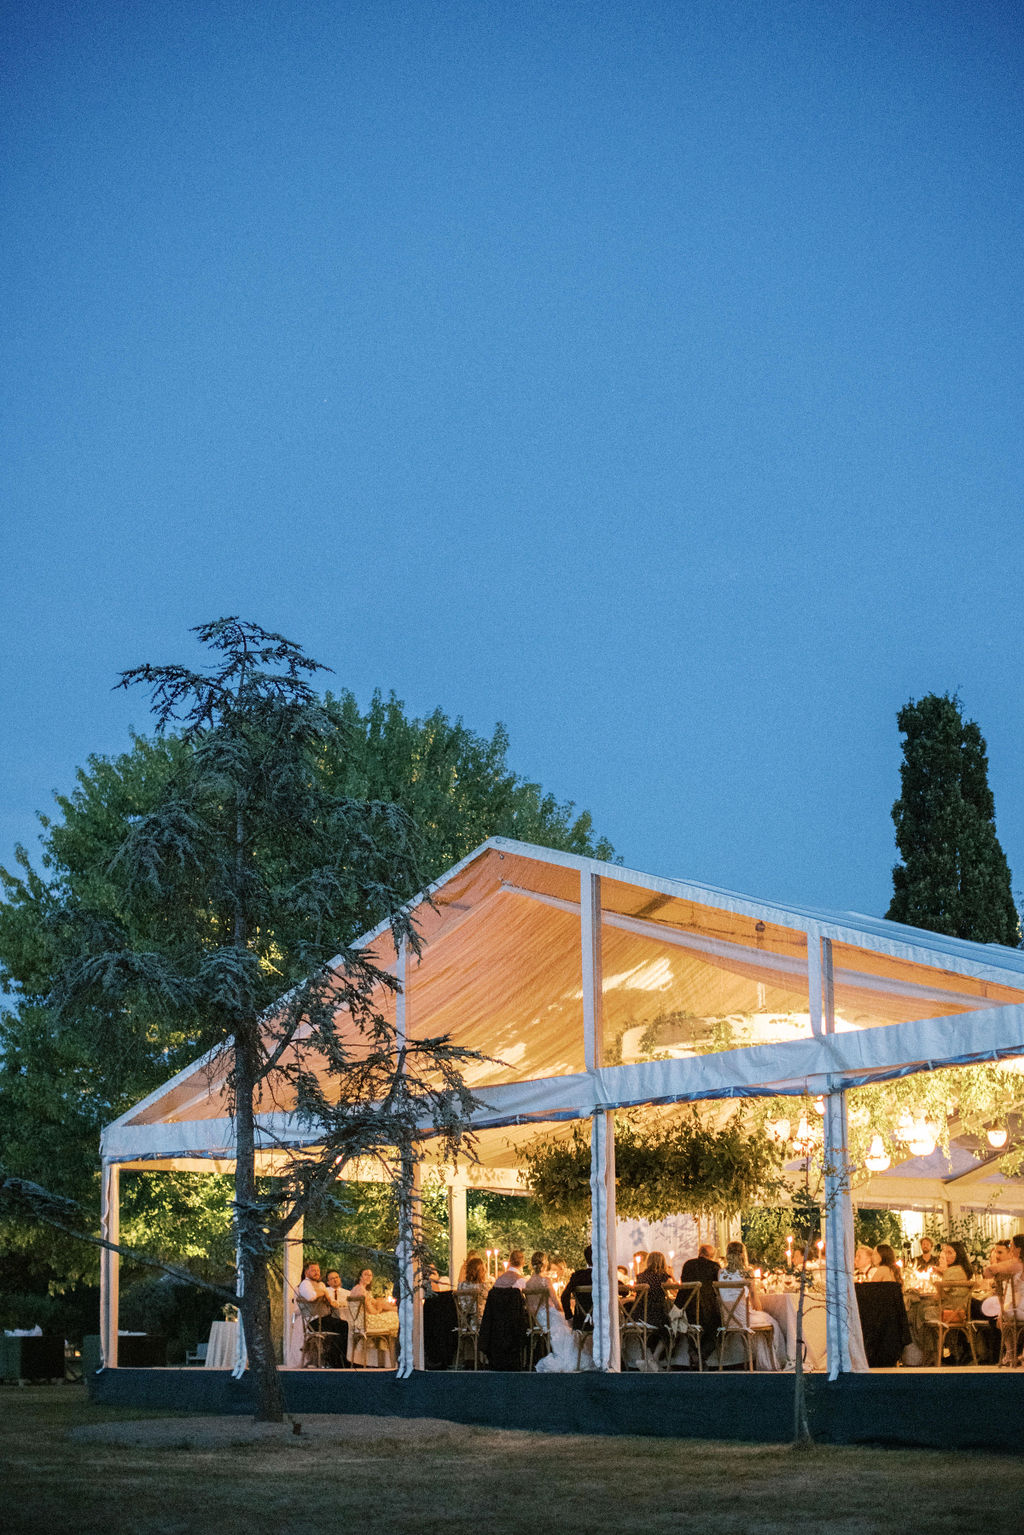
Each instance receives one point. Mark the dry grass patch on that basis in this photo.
(66, 1464)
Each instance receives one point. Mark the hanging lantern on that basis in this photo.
(922, 1141)
(996, 1137)
(778, 1129)
(877, 1159)
(819, 1104)
(803, 1137)
(904, 1126)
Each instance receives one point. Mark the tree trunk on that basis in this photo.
(801, 1423)
(255, 1298)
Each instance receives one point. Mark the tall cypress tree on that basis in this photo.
(954, 877)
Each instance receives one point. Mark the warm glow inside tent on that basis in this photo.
(591, 987)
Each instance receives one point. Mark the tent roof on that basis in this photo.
(704, 993)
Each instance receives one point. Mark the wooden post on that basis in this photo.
(110, 1263)
(456, 1227)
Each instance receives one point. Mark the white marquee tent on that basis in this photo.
(571, 974)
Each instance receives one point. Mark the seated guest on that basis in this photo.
(885, 1270)
(464, 1264)
(512, 1278)
(582, 1279)
(955, 1266)
(336, 1294)
(737, 1266)
(704, 1268)
(1004, 1264)
(317, 1308)
(559, 1274)
(656, 1277)
(476, 1283)
(539, 1282)
(381, 1315)
(929, 1258)
(579, 1279)
(863, 1263)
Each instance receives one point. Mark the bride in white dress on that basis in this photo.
(569, 1352)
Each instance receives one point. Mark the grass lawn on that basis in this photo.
(440, 1481)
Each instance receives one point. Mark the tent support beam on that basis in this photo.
(603, 1240)
(456, 1229)
(291, 1351)
(602, 1137)
(845, 1344)
(110, 1263)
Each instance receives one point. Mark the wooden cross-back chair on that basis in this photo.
(687, 1323)
(467, 1328)
(1011, 1327)
(538, 1324)
(583, 1319)
(734, 1303)
(314, 1342)
(633, 1323)
(954, 1315)
(361, 1341)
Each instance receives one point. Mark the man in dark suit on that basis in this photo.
(582, 1279)
(579, 1278)
(705, 1269)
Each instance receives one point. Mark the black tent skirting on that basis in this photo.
(944, 1409)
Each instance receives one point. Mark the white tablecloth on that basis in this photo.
(220, 1351)
(783, 1308)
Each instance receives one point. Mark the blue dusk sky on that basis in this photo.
(646, 376)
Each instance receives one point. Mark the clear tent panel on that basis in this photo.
(507, 984)
(683, 979)
(873, 989)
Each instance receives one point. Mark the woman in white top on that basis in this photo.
(1006, 1262)
(737, 1266)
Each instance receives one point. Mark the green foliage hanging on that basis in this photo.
(687, 1167)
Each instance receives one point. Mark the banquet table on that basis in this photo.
(220, 1350)
(783, 1307)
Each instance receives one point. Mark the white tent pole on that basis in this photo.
(845, 1344)
(410, 1298)
(110, 1263)
(819, 1025)
(456, 1227)
(418, 1355)
(590, 940)
(293, 1244)
(602, 1211)
(238, 1369)
(602, 1139)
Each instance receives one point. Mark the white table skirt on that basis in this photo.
(783, 1308)
(220, 1350)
